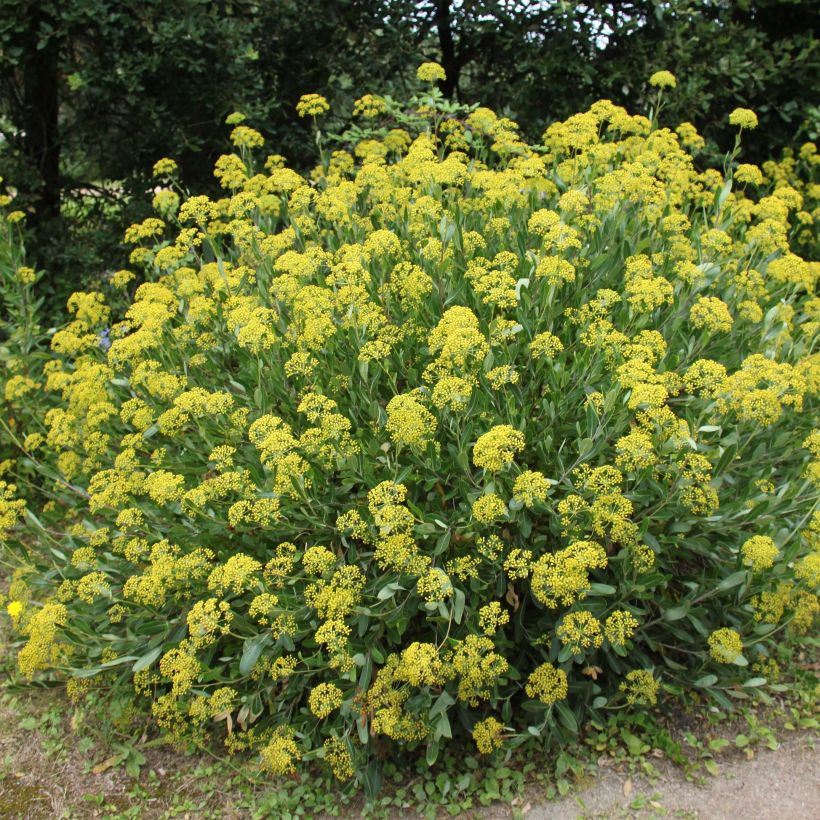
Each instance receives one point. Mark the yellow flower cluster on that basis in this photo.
(743, 118)
(495, 449)
(640, 687)
(324, 699)
(580, 631)
(547, 684)
(725, 645)
(487, 735)
(430, 72)
(760, 552)
(409, 422)
(663, 79)
(312, 105)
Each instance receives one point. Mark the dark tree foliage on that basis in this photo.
(92, 92)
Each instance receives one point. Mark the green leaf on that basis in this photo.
(635, 746)
(388, 591)
(147, 659)
(442, 729)
(442, 703)
(724, 193)
(252, 650)
(460, 599)
(733, 580)
(567, 716)
(675, 613)
(372, 777)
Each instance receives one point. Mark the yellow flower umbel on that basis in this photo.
(491, 617)
(547, 684)
(743, 118)
(409, 422)
(487, 735)
(663, 79)
(43, 648)
(281, 753)
(496, 449)
(312, 105)
(711, 314)
(337, 756)
(725, 645)
(640, 687)
(760, 552)
(488, 508)
(430, 73)
(619, 627)
(369, 106)
(580, 631)
(324, 699)
(531, 487)
(164, 167)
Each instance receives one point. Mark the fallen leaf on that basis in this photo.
(106, 764)
(512, 597)
(627, 787)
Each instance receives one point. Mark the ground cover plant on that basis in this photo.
(456, 437)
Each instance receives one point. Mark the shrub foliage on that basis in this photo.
(459, 435)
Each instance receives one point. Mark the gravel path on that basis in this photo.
(775, 785)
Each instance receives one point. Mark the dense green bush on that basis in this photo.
(459, 435)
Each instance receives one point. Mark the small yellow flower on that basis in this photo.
(488, 508)
(743, 118)
(487, 735)
(164, 167)
(640, 686)
(663, 79)
(25, 275)
(491, 617)
(368, 106)
(496, 448)
(324, 699)
(547, 684)
(430, 73)
(759, 551)
(281, 754)
(15, 609)
(749, 174)
(311, 105)
(725, 645)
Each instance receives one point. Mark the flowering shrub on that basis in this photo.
(461, 435)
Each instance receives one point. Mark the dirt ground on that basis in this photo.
(47, 772)
(776, 785)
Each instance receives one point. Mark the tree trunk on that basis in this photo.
(449, 62)
(41, 85)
